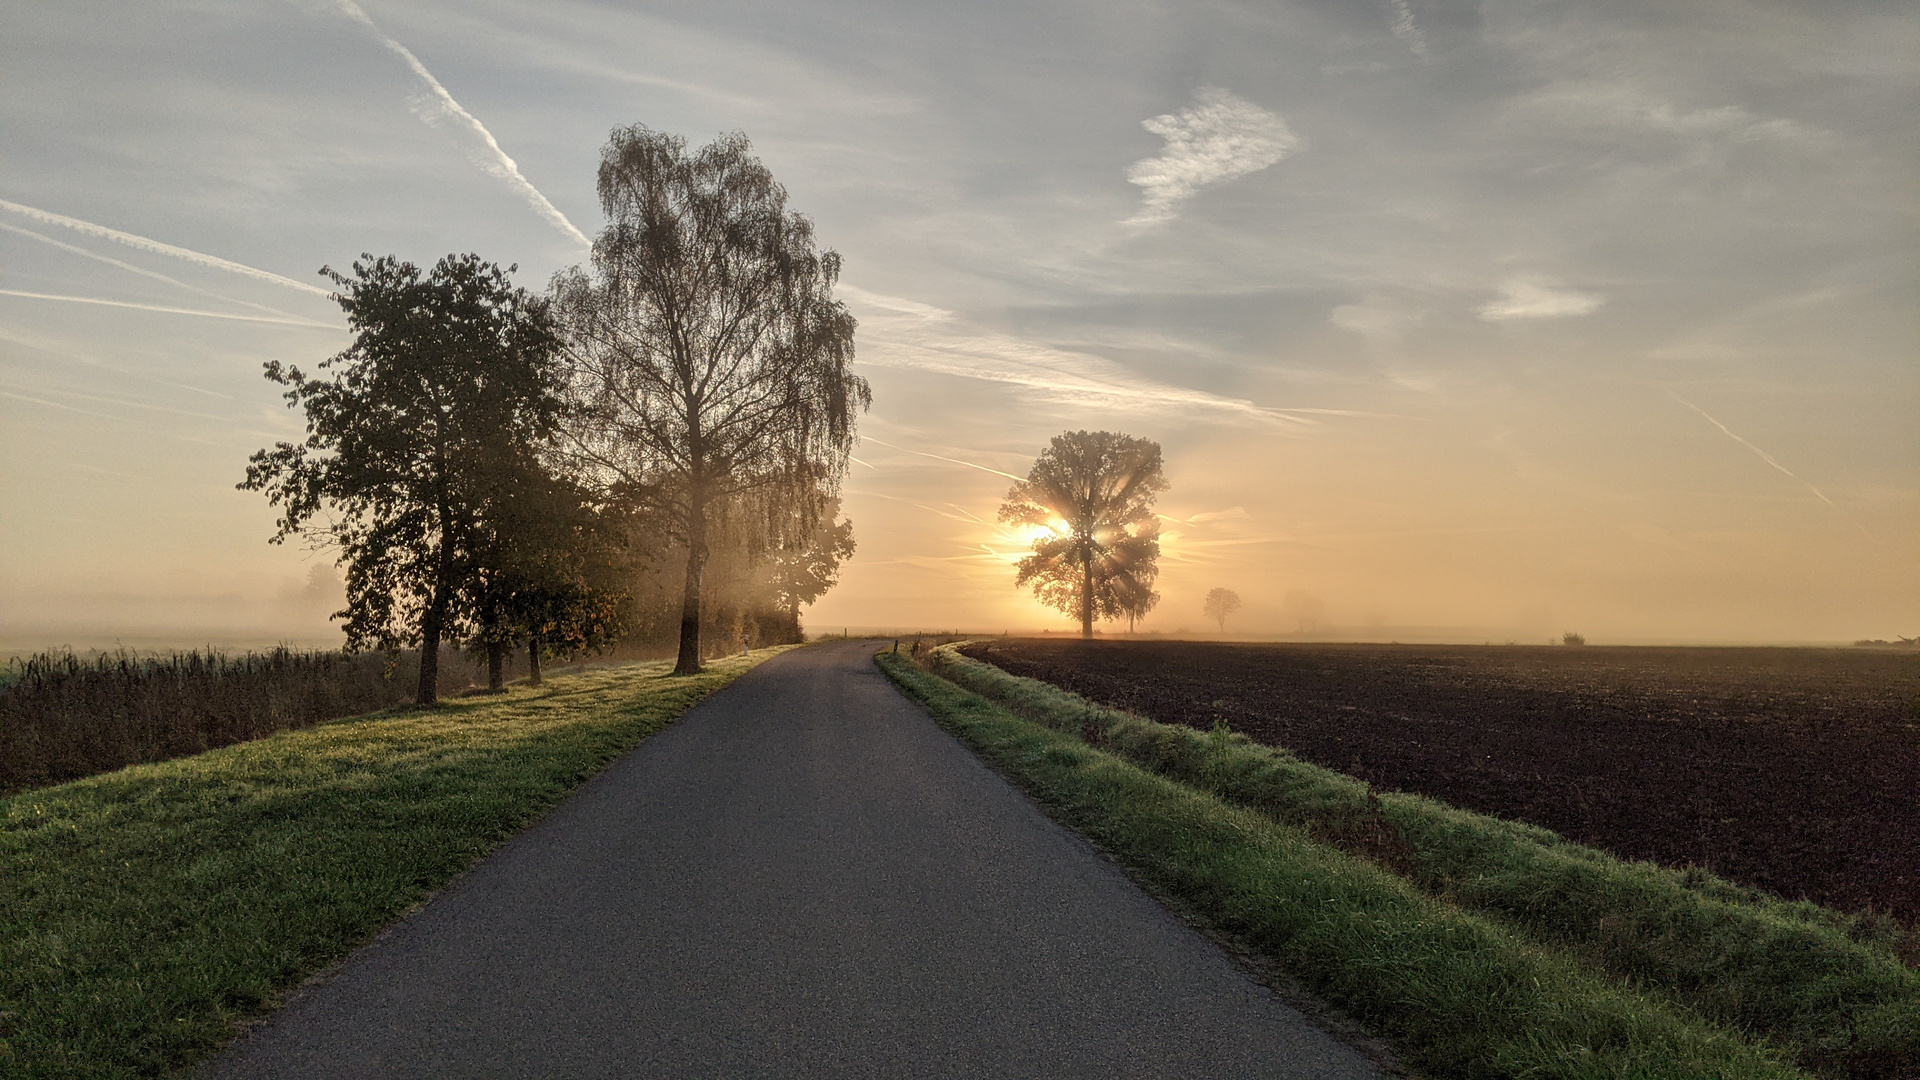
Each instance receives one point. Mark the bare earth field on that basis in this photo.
(1792, 770)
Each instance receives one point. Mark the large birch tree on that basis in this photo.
(711, 363)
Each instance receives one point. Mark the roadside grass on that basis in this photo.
(1825, 989)
(1455, 994)
(144, 913)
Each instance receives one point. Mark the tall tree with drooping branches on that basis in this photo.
(1091, 493)
(711, 362)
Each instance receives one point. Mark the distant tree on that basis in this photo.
(1093, 493)
(711, 363)
(1305, 609)
(1220, 604)
(1571, 638)
(806, 563)
(450, 385)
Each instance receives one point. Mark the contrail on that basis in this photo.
(1764, 456)
(142, 271)
(167, 310)
(937, 457)
(495, 161)
(158, 248)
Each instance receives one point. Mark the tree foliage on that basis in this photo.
(1093, 494)
(710, 362)
(422, 430)
(1220, 604)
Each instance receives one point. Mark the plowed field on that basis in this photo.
(1793, 770)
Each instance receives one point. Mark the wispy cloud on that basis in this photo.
(142, 271)
(164, 309)
(1612, 108)
(144, 244)
(1525, 299)
(1220, 137)
(938, 457)
(1406, 29)
(1764, 456)
(438, 106)
(906, 334)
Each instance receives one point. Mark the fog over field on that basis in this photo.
(1470, 320)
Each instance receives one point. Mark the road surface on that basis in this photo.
(801, 877)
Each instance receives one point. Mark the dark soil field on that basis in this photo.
(1793, 770)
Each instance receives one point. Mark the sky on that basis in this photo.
(1463, 321)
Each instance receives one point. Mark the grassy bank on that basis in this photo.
(144, 912)
(1825, 988)
(1458, 995)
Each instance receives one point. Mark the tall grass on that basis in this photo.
(64, 716)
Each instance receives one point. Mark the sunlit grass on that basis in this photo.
(1827, 988)
(144, 912)
(1457, 995)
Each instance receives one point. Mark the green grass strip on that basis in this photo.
(1456, 995)
(144, 912)
(1784, 971)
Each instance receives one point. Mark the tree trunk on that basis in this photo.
(1086, 593)
(688, 662)
(429, 692)
(496, 667)
(533, 662)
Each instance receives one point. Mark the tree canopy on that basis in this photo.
(1092, 494)
(426, 424)
(1220, 604)
(710, 363)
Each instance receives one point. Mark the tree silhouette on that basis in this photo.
(806, 563)
(431, 416)
(1092, 493)
(711, 359)
(1220, 604)
(556, 576)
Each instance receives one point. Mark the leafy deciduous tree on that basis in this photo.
(1220, 604)
(806, 563)
(711, 361)
(449, 386)
(1093, 493)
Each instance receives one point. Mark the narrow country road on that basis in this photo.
(803, 877)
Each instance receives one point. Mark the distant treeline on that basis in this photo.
(64, 716)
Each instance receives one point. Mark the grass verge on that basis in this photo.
(145, 912)
(1457, 995)
(1825, 989)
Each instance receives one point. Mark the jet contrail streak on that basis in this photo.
(937, 457)
(167, 310)
(141, 270)
(495, 162)
(1764, 456)
(158, 248)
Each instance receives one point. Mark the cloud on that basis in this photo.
(158, 248)
(1220, 137)
(143, 271)
(1406, 29)
(1378, 321)
(1523, 299)
(902, 333)
(1764, 456)
(164, 309)
(939, 457)
(1610, 109)
(438, 106)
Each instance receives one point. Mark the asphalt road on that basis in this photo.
(801, 877)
